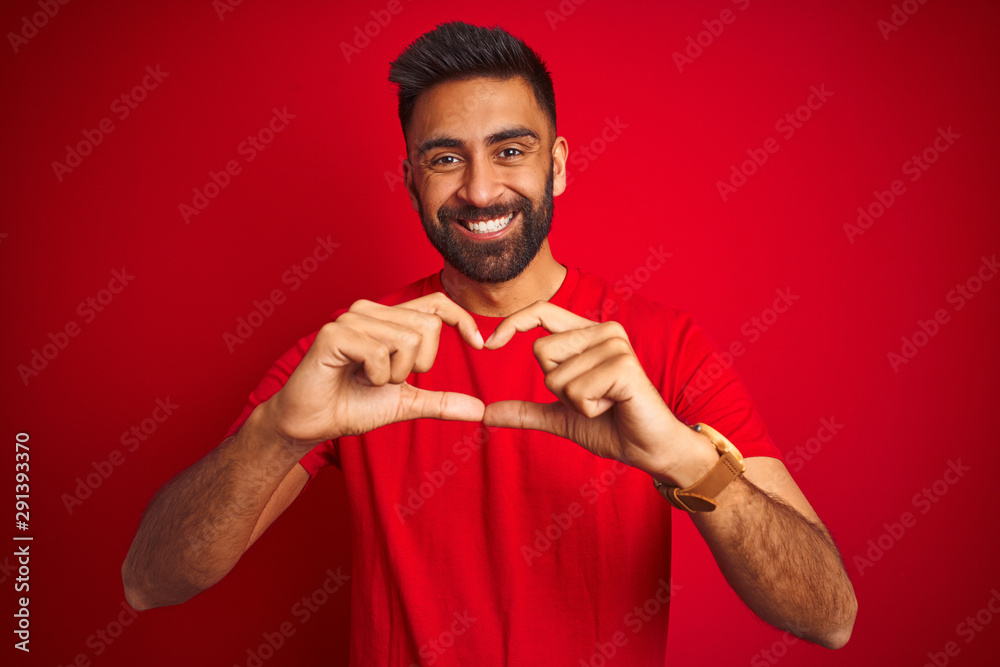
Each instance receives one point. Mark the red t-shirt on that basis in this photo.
(477, 545)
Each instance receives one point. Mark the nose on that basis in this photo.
(481, 185)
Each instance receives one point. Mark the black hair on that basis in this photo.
(457, 51)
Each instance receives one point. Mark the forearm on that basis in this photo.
(784, 567)
(199, 524)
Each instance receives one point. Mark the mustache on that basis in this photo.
(491, 212)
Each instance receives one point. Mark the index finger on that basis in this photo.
(543, 314)
(450, 313)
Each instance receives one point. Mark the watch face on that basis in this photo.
(736, 454)
(721, 442)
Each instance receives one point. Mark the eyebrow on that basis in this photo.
(495, 138)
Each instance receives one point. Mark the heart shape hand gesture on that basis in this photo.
(353, 380)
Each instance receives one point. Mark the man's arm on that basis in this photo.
(352, 380)
(768, 542)
(201, 522)
(774, 551)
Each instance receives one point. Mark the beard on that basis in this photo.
(497, 260)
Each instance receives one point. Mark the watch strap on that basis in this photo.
(700, 496)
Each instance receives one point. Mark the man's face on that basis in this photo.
(483, 168)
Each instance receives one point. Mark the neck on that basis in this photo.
(539, 281)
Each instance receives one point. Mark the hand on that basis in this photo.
(606, 403)
(353, 378)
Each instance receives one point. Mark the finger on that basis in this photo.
(403, 342)
(543, 314)
(451, 314)
(612, 381)
(549, 417)
(421, 403)
(426, 325)
(426, 315)
(592, 361)
(338, 345)
(551, 351)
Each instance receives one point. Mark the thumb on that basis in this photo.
(549, 417)
(421, 403)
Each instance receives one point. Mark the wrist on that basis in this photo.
(697, 456)
(263, 429)
(703, 494)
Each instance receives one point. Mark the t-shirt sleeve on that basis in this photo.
(325, 453)
(706, 388)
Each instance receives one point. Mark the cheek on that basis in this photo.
(529, 180)
(438, 189)
(530, 188)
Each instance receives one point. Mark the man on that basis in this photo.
(486, 523)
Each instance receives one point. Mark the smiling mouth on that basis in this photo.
(487, 226)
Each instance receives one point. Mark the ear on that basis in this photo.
(560, 151)
(411, 188)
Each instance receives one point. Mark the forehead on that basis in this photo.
(472, 109)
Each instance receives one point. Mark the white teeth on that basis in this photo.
(491, 225)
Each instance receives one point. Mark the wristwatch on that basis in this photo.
(700, 496)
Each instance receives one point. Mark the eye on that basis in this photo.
(510, 153)
(444, 161)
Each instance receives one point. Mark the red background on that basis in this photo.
(655, 184)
